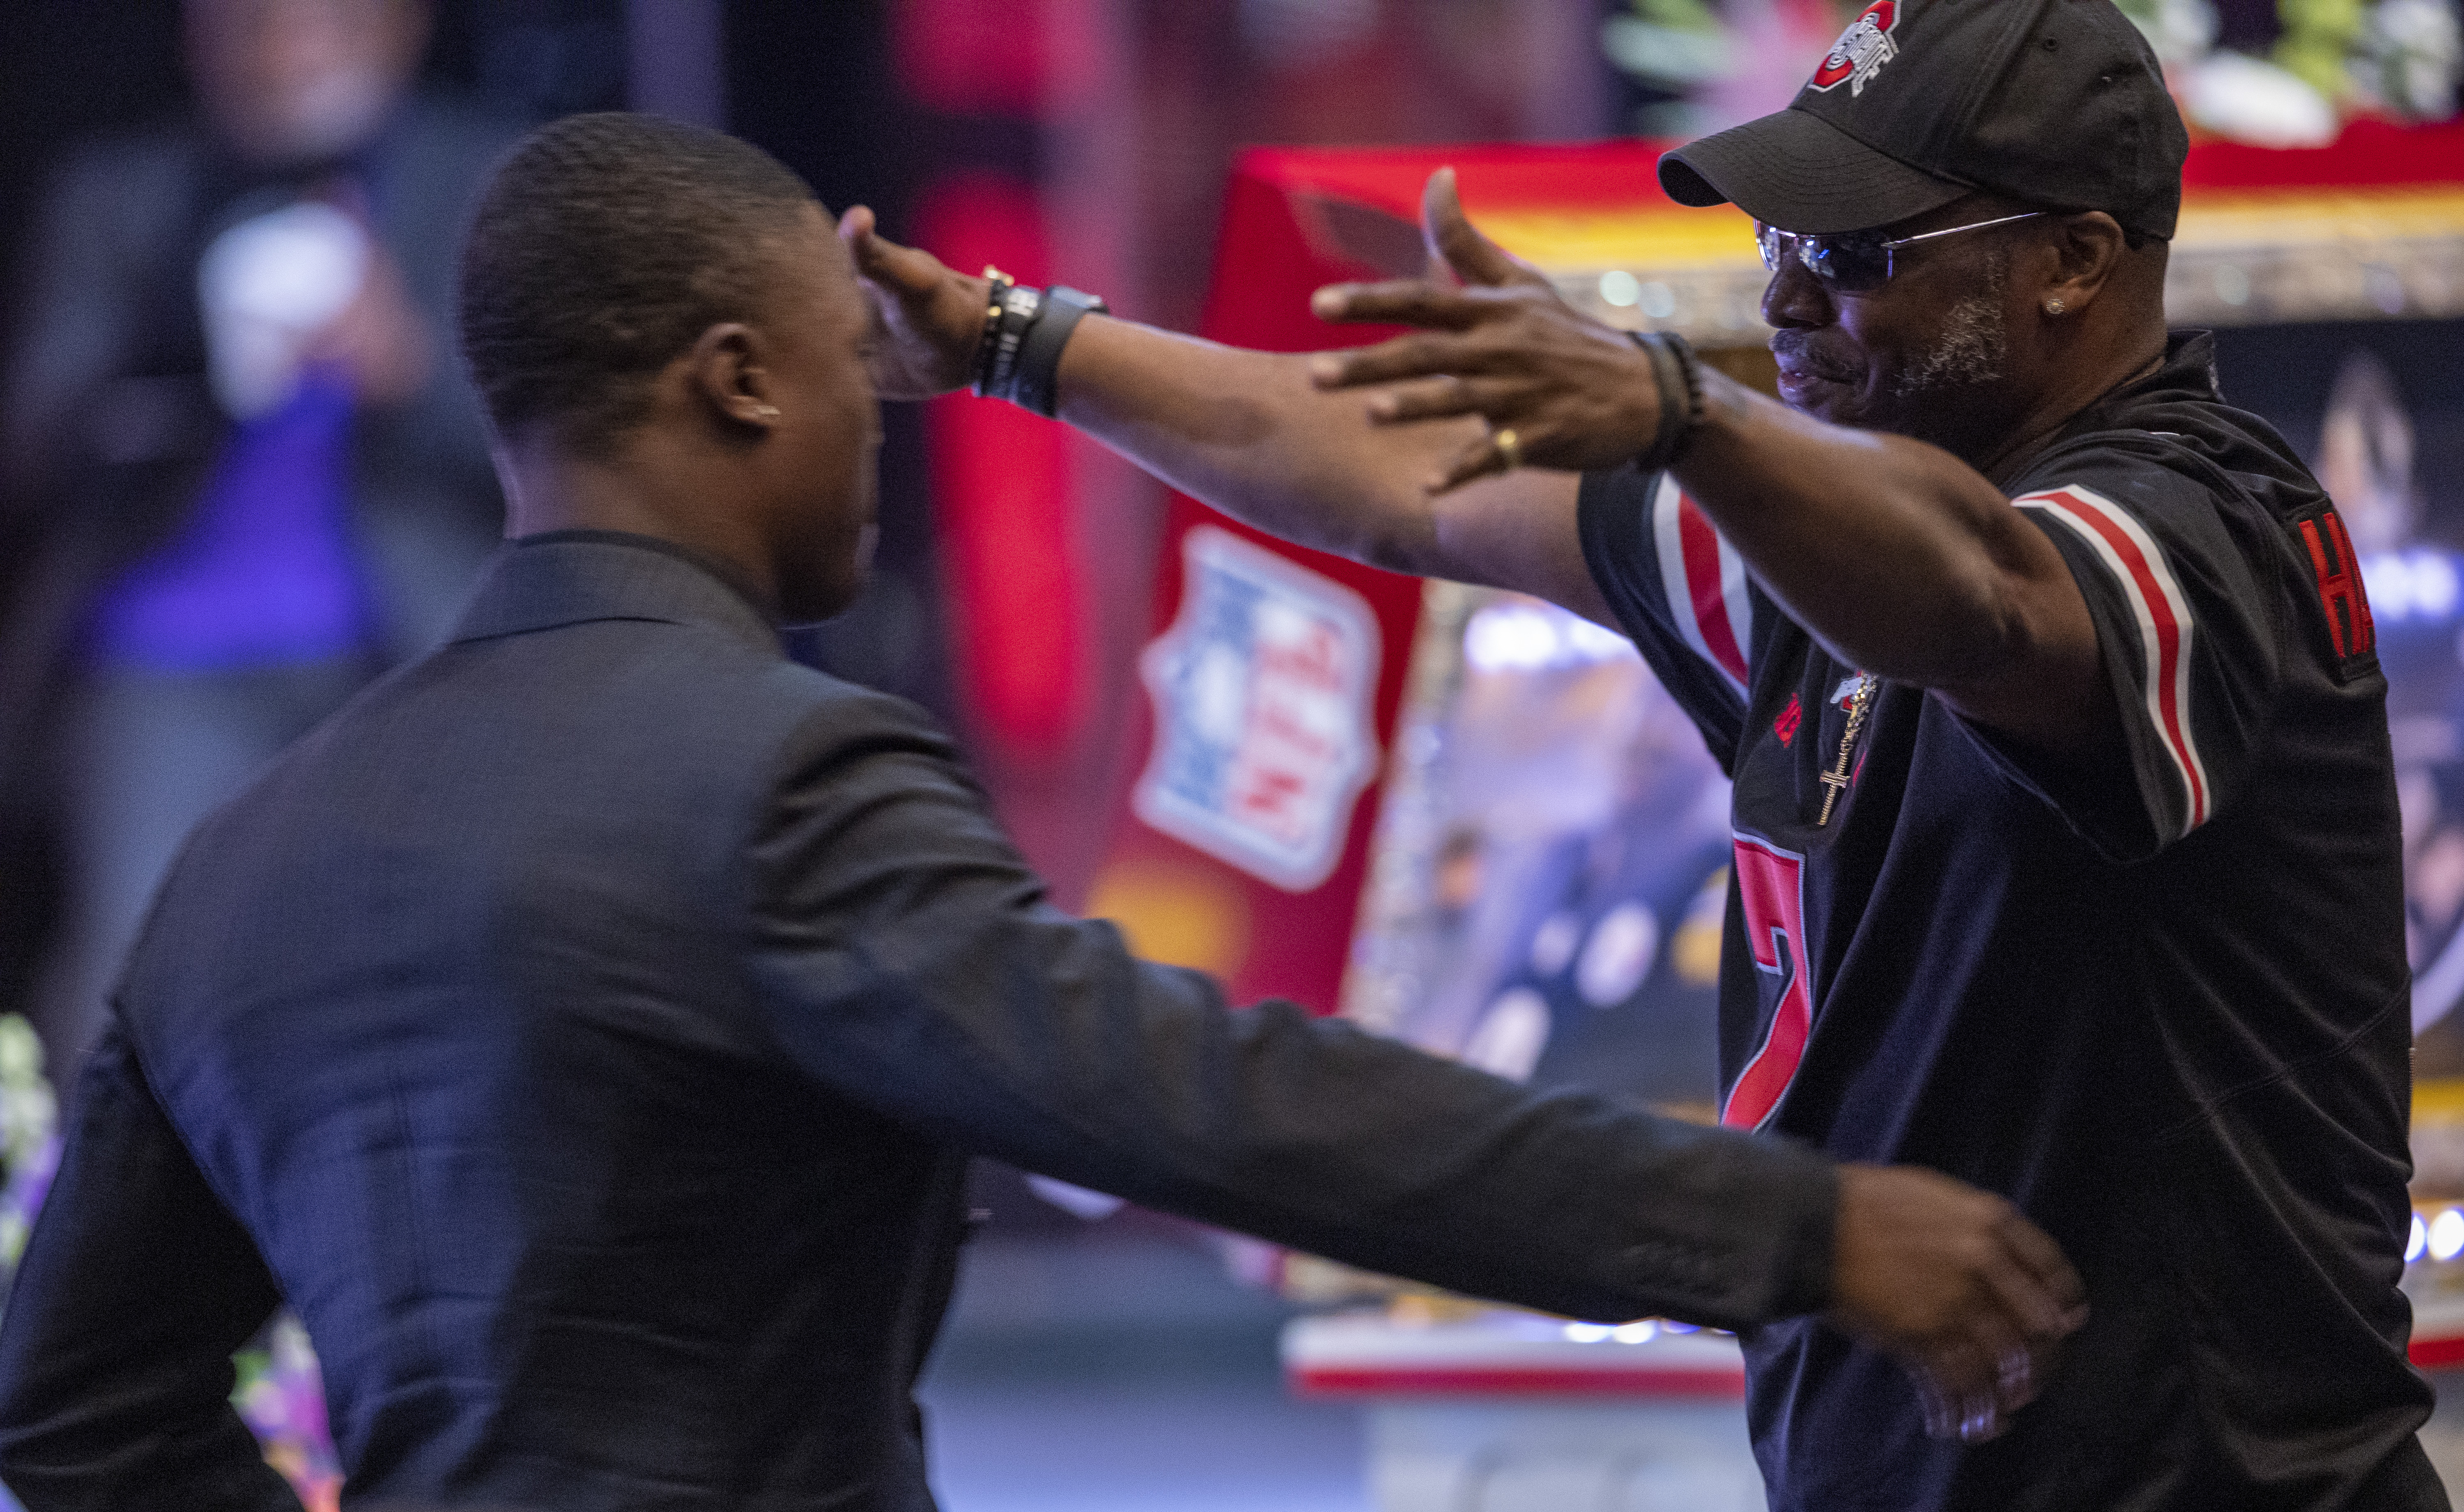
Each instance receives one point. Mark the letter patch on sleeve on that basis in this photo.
(2341, 597)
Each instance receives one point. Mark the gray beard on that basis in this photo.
(1970, 355)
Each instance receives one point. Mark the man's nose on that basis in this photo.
(1795, 298)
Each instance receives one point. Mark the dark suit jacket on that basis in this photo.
(584, 1032)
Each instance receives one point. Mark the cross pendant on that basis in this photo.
(1836, 782)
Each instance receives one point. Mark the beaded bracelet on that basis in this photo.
(997, 297)
(1678, 373)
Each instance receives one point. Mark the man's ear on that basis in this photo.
(729, 369)
(2087, 248)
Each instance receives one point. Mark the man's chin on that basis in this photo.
(1818, 397)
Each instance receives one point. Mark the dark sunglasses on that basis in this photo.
(1854, 262)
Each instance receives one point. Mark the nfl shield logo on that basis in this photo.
(1264, 732)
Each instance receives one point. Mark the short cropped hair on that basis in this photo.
(604, 247)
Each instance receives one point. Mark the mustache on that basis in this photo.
(1795, 348)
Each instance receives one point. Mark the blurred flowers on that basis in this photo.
(2331, 59)
(281, 1395)
(279, 1390)
(2409, 57)
(30, 1146)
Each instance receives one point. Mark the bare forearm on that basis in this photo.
(1244, 431)
(1248, 434)
(1898, 556)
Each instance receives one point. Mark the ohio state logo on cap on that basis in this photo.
(1861, 50)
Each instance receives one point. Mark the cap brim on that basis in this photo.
(1802, 174)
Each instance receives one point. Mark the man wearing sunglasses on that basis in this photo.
(2067, 850)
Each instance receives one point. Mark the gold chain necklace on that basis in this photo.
(1837, 778)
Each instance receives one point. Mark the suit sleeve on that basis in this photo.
(906, 959)
(2187, 634)
(116, 1351)
(1682, 592)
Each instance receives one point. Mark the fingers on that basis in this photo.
(858, 231)
(1956, 1283)
(1406, 302)
(2036, 1309)
(1406, 357)
(1438, 399)
(1967, 1395)
(905, 271)
(1992, 1363)
(1452, 238)
(1478, 460)
(2035, 1250)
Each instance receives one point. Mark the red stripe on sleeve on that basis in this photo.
(2159, 608)
(1701, 544)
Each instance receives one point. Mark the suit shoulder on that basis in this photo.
(834, 717)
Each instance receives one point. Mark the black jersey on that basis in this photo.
(2160, 1005)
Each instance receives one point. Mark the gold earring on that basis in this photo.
(2055, 307)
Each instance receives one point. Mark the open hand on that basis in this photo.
(928, 318)
(1971, 1297)
(1575, 393)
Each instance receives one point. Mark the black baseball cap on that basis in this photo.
(2051, 103)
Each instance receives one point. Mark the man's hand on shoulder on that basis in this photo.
(1576, 394)
(1971, 1297)
(928, 317)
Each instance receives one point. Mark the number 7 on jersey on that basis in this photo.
(1771, 888)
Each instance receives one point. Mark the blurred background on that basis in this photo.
(240, 475)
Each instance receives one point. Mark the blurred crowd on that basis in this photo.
(2275, 72)
(253, 474)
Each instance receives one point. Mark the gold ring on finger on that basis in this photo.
(1509, 449)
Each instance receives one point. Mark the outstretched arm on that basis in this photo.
(908, 960)
(1246, 432)
(1898, 556)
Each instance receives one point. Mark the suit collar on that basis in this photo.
(572, 577)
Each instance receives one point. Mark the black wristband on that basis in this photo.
(1678, 374)
(1037, 380)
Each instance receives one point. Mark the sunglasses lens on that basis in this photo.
(1851, 264)
(1774, 245)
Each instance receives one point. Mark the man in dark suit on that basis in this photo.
(586, 1031)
